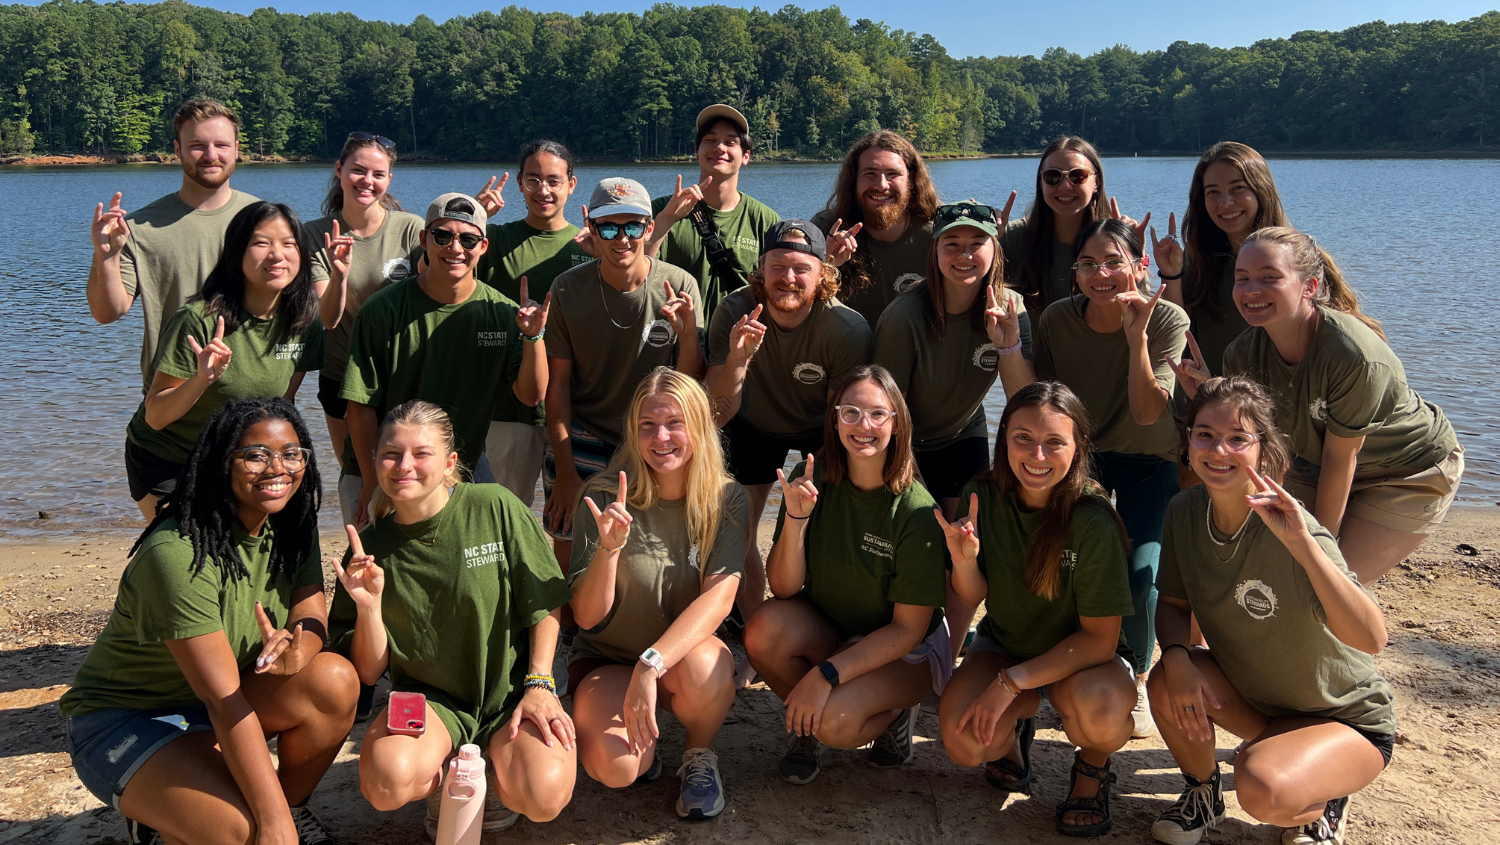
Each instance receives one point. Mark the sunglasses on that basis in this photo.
(609, 231)
(964, 211)
(365, 138)
(1078, 175)
(443, 237)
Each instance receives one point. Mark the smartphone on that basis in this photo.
(407, 713)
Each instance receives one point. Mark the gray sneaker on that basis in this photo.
(310, 829)
(803, 762)
(894, 746)
(702, 795)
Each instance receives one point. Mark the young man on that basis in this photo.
(618, 317)
(884, 196)
(777, 347)
(443, 337)
(163, 252)
(537, 249)
(710, 229)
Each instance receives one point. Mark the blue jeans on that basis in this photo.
(1142, 485)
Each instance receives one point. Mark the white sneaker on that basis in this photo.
(1140, 715)
(1327, 829)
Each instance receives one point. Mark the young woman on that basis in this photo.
(454, 589)
(216, 644)
(368, 243)
(252, 332)
(654, 575)
(1289, 630)
(1378, 464)
(1232, 195)
(854, 637)
(1108, 343)
(1044, 550)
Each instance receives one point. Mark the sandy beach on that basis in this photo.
(1442, 606)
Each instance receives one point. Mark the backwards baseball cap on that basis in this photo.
(978, 215)
(456, 206)
(776, 238)
(726, 112)
(618, 195)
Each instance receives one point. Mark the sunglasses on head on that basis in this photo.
(443, 237)
(1078, 175)
(964, 211)
(365, 137)
(609, 231)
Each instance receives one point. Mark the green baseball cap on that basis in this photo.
(978, 215)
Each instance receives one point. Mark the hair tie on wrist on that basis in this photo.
(1164, 277)
(794, 516)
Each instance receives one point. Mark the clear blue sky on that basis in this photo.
(987, 28)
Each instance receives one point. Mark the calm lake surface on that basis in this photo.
(69, 385)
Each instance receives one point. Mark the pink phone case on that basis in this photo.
(407, 714)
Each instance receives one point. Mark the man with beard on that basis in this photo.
(164, 251)
(884, 196)
(769, 380)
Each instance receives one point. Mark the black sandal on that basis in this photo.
(1098, 804)
(1016, 778)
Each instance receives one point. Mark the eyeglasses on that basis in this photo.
(443, 237)
(609, 231)
(1078, 175)
(852, 414)
(533, 184)
(1113, 265)
(1202, 438)
(258, 458)
(963, 210)
(365, 138)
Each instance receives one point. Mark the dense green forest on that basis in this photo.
(79, 76)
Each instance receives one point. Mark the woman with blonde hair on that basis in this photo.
(654, 575)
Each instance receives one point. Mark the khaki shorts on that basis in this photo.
(1414, 504)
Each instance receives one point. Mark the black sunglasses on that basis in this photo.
(964, 210)
(443, 237)
(609, 231)
(1078, 175)
(365, 137)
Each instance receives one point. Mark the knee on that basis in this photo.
(840, 728)
(615, 771)
(707, 672)
(234, 829)
(961, 746)
(765, 633)
(546, 789)
(389, 785)
(1266, 793)
(1098, 716)
(334, 686)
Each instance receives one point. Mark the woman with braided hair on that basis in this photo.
(216, 643)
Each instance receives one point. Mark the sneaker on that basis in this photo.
(139, 834)
(366, 702)
(894, 746)
(1327, 829)
(1198, 809)
(498, 818)
(310, 829)
(653, 771)
(803, 762)
(702, 795)
(1140, 715)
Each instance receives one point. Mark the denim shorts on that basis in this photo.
(109, 746)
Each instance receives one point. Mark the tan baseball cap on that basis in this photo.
(727, 112)
(446, 207)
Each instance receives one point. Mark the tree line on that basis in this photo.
(85, 77)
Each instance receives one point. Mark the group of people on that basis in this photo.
(1209, 474)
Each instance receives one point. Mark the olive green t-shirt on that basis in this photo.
(741, 230)
(266, 355)
(1058, 285)
(171, 250)
(1097, 367)
(892, 267)
(868, 551)
(407, 345)
(160, 599)
(614, 339)
(390, 254)
(1349, 384)
(1214, 333)
(1263, 621)
(660, 571)
(945, 379)
(1094, 577)
(787, 382)
(462, 590)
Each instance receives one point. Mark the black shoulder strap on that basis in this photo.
(719, 257)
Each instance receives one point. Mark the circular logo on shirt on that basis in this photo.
(1319, 409)
(809, 373)
(658, 333)
(986, 357)
(1257, 598)
(905, 281)
(396, 269)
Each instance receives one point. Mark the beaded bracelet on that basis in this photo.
(545, 682)
(536, 337)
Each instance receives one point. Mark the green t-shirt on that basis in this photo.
(1059, 282)
(660, 571)
(1097, 367)
(787, 382)
(161, 599)
(407, 345)
(462, 590)
(1094, 575)
(1263, 620)
(389, 255)
(1215, 333)
(869, 551)
(614, 339)
(741, 229)
(171, 250)
(266, 355)
(892, 267)
(944, 379)
(1350, 384)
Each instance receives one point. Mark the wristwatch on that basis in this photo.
(651, 657)
(830, 672)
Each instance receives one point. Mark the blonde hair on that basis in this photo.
(1311, 262)
(417, 413)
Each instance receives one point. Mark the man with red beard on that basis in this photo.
(164, 251)
(770, 379)
(884, 196)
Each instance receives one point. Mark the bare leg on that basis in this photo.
(338, 430)
(603, 745)
(147, 504)
(534, 779)
(311, 713)
(1095, 705)
(859, 710)
(785, 639)
(1236, 715)
(970, 681)
(700, 690)
(959, 613)
(1371, 550)
(395, 770)
(1290, 772)
(753, 586)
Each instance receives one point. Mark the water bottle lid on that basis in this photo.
(468, 752)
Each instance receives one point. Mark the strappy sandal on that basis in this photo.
(1098, 804)
(1004, 774)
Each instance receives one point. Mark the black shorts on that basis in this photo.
(328, 397)
(945, 471)
(754, 456)
(147, 474)
(1384, 743)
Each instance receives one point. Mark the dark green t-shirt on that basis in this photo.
(892, 267)
(1094, 576)
(1214, 332)
(869, 551)
(161, 599)
(741, 230)
(1263, 620)
(266, 355)
(1058, 284)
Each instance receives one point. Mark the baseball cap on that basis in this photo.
(440, 210)
(775, 238)
(618, 195)
(978, 215)
(728, 112)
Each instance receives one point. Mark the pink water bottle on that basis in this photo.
(463, 799)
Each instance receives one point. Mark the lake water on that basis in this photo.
(1402, 230)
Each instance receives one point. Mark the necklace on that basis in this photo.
(1208, 520)
(605, 303)
(435, 530)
